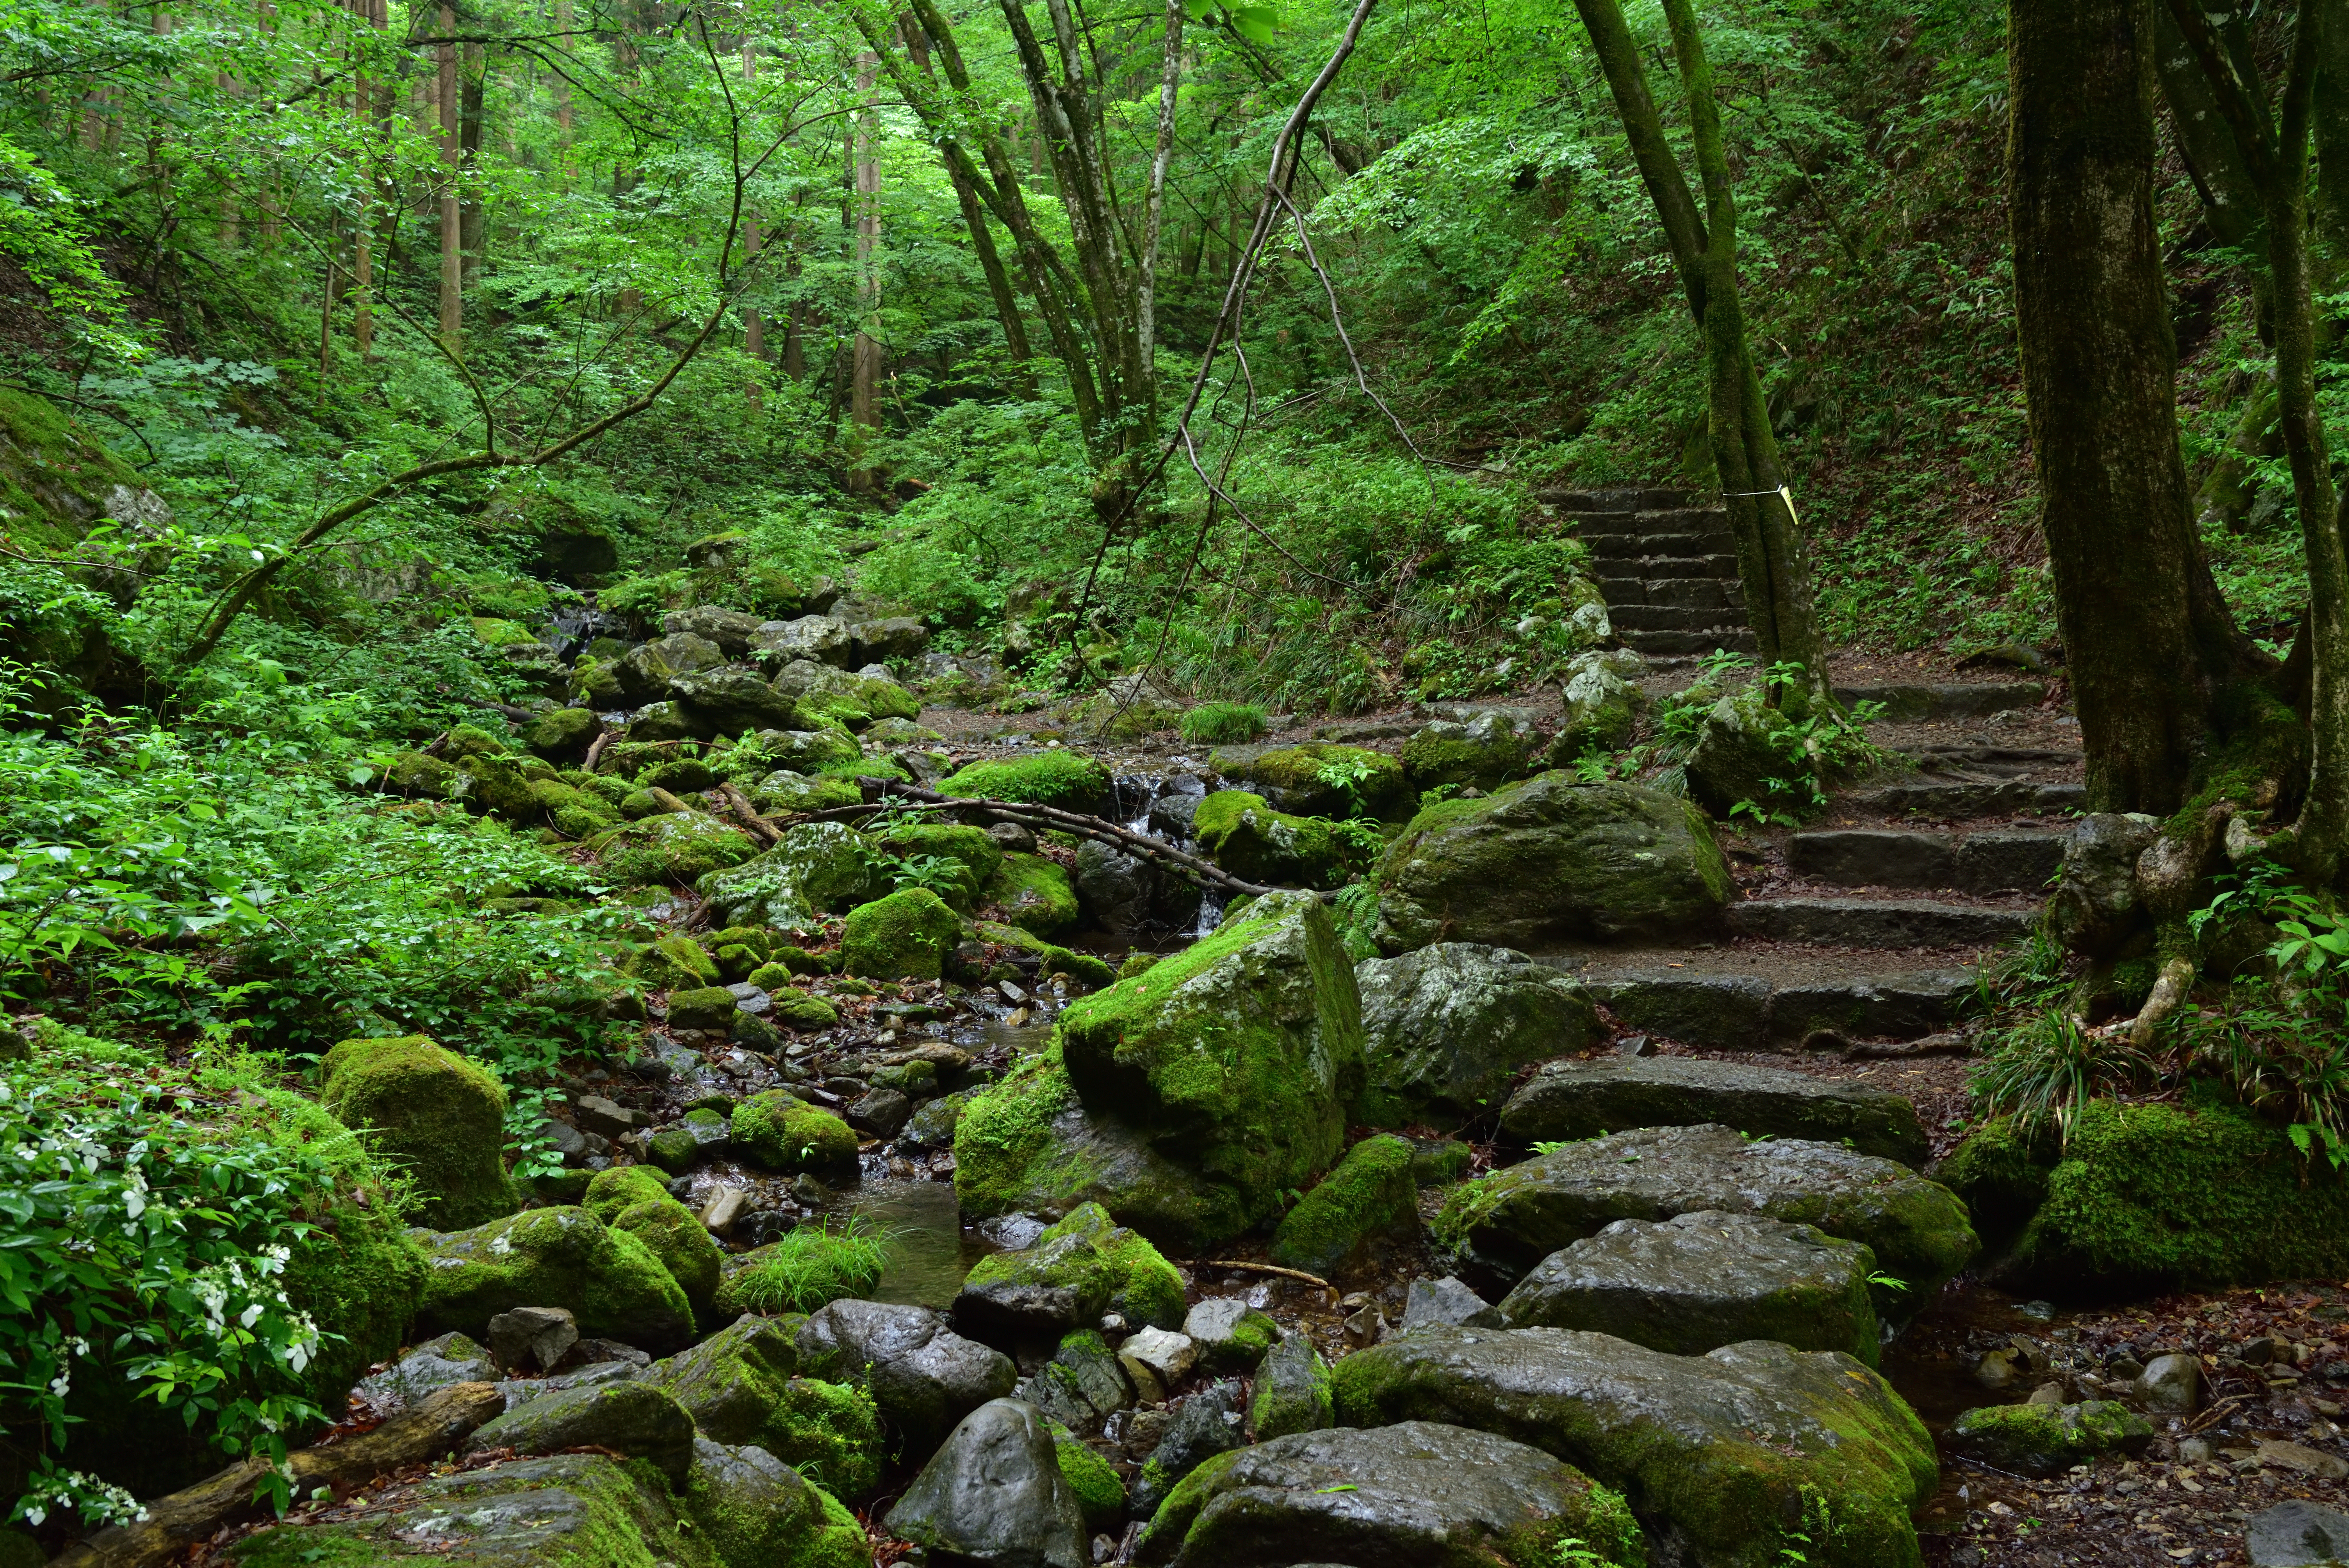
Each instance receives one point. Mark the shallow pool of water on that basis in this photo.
(929, 1251)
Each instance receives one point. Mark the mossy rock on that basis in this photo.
(609, 1279)
(775, 1131)
(817, 867)
(784, 790)
(678, 776)
(1026, 1145)
(1250, 839)
(674, 963)
(563, 735)
(704, 1007)
(1371, 1194)
(1547, 859)
(1034, 893)
(1100, 1495)
(977, 856)
(1078, 1270)
(1053, 777)
(795, 1009)
(56, 478)
(2151, 1198)
(1728, 1453)
(1320, 779)
(1480, 755)
(676, 1236)
(2048, 1439)
(905, 936)
(431, 1112)
(617, 1189)
(1055, 959)
(679, 846)
(1239, 1055)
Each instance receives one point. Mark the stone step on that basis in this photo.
(1677, 544)
(1738, 1010)
(1915, 704)
(1878, 922)
(1673, 519)
(1720, 564)
(1673, 618)
(1993, 759)
(1608, 500)
(2004, 860)
(1670, 645)
(1691, 593)
(2003, 798)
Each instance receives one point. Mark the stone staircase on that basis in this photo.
(1871, 923)
(1667, 566)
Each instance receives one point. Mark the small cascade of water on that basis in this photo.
(571, 627)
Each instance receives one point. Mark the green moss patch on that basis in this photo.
(433, 1113)
(1063, 778)
(777, 1132)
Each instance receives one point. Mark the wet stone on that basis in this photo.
(1705, 1279)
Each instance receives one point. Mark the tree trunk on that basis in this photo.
(2099, 373)
(1773, 564)
(1145, 325)
(471, 211)
(2278, 161)
(452, 251)
(864, 371)
(562, 89)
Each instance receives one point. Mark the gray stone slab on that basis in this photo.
(1573, 1099)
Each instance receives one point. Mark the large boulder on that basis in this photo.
(1052, 777)
(679, 846)
(1079, 1269)
(1549, 858)
(1746, 751)
(732, 629)
(817, 867)
(1415, 1495)
(612, 1283)
(437, 1116)
(758, 1511)
(1319, 779)
(733, 700)
(628, 1416)
(2094, 908)
(971, 852)
(1034, 893)
(1237, 1056)
(1571, 1100)
(776, 1130)
(1480, 754)
(995, 1494)
(1722, 1457)
(1599, 709)
(739, 1386)
(1292, 1390)
(906, 935)
(1699, 1280)
(674, 1235)
(646, 670)
(924, 1377)
(2144, 1198)
(1028, 1145)
(1511, 1220)
(1446, 1028)
(582, 1508)
(1371, 1194)
(821, 639)
(1250, 839)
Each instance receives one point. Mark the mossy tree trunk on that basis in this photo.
(2274, 149)
(2146, 636)
(1772, 563)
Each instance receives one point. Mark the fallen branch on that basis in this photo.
(1266, 1269)
(1098, 829)
(174, 1522)
(595, 749)
(761, 829)
(666, 801)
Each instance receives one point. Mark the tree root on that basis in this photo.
(2168, 993)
